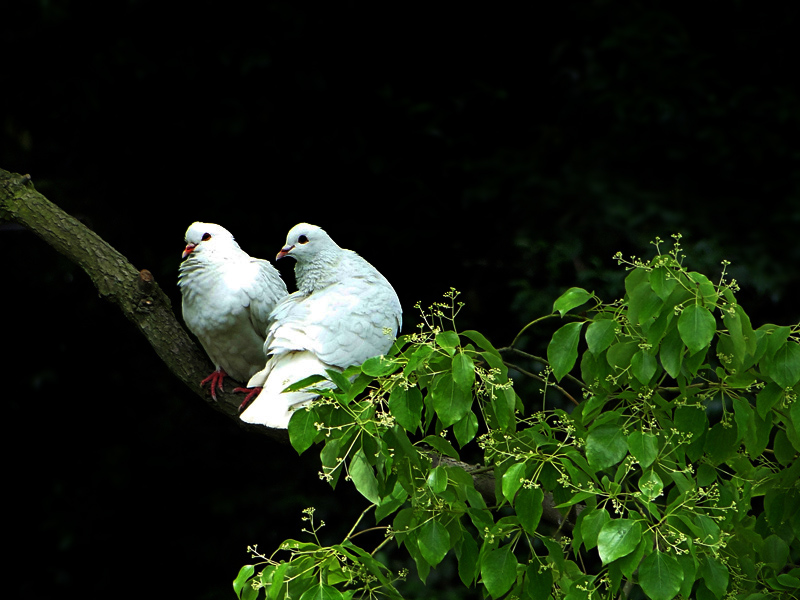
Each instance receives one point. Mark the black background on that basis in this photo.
(506, 153)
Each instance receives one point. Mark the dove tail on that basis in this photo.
(273, 407)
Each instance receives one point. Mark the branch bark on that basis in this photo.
(134, 291)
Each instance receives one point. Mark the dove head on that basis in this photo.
(306, 243)
(208, 238)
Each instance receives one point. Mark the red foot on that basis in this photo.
(216, 382)
(251, 394)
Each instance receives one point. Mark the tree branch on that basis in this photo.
(135, 292)
(142, 301)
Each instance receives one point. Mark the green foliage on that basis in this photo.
(676, 473)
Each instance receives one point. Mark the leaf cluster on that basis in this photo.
(676, 473)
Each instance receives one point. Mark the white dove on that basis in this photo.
(227, 298)
(343, 313)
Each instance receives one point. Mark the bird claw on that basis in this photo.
(251, 394)
(216, 382)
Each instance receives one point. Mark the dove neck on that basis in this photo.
(206, 267)
(319, 273)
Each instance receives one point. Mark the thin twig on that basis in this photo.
(544, 381)
(573, 379)
(530, 325)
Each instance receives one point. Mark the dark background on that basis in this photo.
(506, 153)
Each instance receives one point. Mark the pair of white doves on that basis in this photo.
(343, 312)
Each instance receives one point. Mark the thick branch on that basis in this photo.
(135, 292)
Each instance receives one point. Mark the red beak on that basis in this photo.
(188, 250)
(284, 251)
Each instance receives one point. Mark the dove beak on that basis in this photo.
(188, 250)
(284, 251)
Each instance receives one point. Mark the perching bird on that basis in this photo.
(227, 298)
(343, 313)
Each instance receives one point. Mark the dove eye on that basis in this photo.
(302, 239)
(206, 237)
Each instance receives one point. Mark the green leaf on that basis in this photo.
(617, 538)
(278, 575)
(688, 565)
(643, 304)
(562, 351)
(600, 334)
(364, 477)
(418, 357)
(721, 443)
(620, 355)
(671, 352)
(707, 528)
(595, 369)
(651, 485)
(241, 585)
(776, 337)
(463, 371)
(794, 414)
(480, 340)
(570, 299)
(750, 338)
(767, 398)
(406, 407)
(499, 570)
(605, 446)
(321, 591)
(733, 323)
(643, 366)
(635, 278)
(466, 428)
(378, 366)
(591, 524)
(437, 480)
(661, 282)
(374, 566)
(504, 403)
(774, 552)
(528, 505)
(481, 519)
(403, 526)
(656, 330)
(397, 439)
(391, 502)
(433, 541)
(306, 382)
(538, 584)
(449, 401)
(339, 380)
(467, 555)
(784, 366)
(302, 429)
(744, 415)
(715, 575)
(629, 563)
(512, 480)
(643, 447)
(447, 339)
(707, 291)
(697, 327)
(441, 445)
(660, 576)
